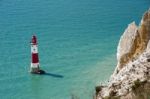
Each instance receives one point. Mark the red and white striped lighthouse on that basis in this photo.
(35, 66)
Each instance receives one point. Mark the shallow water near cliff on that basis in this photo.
(77, 45)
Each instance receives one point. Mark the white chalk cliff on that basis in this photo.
(131, 78)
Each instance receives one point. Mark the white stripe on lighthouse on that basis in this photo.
(35, 65)
(34, 49)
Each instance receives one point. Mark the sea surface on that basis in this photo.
(77, 42)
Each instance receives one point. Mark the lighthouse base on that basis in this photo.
(37, 71)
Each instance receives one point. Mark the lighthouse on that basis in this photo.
(35, 65)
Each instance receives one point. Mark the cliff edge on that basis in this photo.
(131, 78)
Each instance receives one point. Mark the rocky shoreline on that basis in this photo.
(131, 78)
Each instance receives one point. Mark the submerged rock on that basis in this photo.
(131, 79)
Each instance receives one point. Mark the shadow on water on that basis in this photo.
(54, 75)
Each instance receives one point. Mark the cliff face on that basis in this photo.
(131, 79)
(133, 41)
(126, 48)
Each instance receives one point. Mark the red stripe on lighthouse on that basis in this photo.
(35, 58)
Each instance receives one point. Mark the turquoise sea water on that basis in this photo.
(77, 45)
